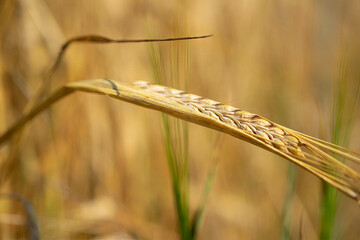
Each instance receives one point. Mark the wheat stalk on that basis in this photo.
(310, 153)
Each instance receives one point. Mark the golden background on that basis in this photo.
(96, 168)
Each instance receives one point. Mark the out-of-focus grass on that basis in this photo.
(31, 219)
(288, 202)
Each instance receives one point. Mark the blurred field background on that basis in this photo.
(96, 168)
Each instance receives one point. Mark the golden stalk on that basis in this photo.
(308, 152)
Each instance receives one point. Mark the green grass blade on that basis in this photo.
(175, 130)
(198, 217)
(345, 102)
(287, 208)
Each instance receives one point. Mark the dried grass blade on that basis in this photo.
(45, 85)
